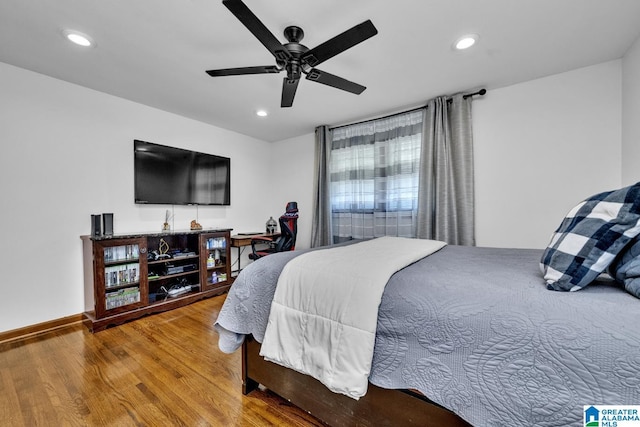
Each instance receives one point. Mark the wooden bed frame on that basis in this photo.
(379, 407)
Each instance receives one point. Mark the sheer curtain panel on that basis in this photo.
(374, 172)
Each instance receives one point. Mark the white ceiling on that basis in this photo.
(155, 52)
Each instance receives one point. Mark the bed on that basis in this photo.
(468, 336)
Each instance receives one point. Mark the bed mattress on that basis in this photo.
(476, 331)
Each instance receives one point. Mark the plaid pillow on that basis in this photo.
(590, 237)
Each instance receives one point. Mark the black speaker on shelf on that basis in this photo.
(107, 224)
(96, 225)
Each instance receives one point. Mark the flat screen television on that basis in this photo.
(173, 176)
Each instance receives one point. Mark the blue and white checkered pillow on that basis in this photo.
(590, 237)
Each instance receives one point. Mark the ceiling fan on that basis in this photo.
(295, 58)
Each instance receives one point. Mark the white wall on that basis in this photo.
(540, 147)
(67, 152)
(293, 181)
(631, 115)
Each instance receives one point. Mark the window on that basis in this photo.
(374, 177)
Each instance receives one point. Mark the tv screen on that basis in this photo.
(173, 176)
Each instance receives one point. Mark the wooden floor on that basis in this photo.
(161, 370)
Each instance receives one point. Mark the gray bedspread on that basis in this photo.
(476, 330)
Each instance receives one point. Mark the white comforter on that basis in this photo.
(324, 313)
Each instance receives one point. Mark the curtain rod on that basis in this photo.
(481, 92)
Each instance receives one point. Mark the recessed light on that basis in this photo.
(78, 38)
(465, 42)
(261, 113)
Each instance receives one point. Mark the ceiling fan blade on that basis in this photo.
(325, 78)
(257, 28)
(340, 43)
(289, 87)
(244, 70)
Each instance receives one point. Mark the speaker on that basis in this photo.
(107, 224)
(96, 226)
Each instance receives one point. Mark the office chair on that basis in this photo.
(287, 239)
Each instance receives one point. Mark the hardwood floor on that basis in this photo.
(161, 370)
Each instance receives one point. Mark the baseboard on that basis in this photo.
(40, 328)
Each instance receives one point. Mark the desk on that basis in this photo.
(240, 240)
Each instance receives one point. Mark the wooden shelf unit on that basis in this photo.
(128, 276)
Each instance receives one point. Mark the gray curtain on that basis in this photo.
(446, 185)
(321, 234)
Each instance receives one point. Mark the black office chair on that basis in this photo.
(286, 241)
